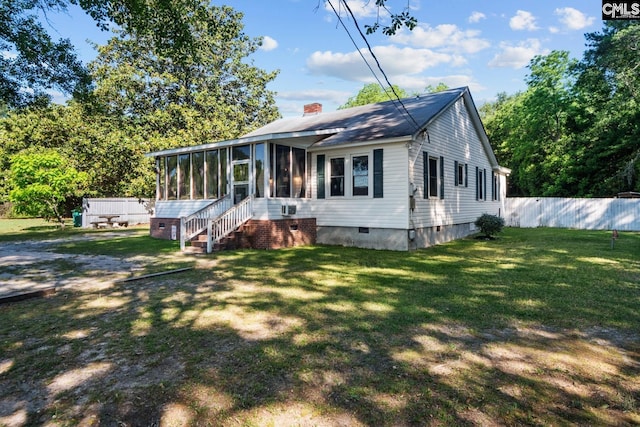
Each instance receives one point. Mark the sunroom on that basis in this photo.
(252, 179)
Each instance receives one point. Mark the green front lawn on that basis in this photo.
(538, 327)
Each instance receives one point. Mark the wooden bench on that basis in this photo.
(99, 224)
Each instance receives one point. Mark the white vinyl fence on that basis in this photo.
(586, 214)
(128, 209)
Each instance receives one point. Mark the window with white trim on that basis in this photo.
(360, 175)
(337, 176)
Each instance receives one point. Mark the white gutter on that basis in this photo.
(397, 139)
(244, 140)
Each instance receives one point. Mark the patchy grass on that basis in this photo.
(12, 227)
(538, 327)
(39, 229)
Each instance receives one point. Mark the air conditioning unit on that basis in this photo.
(288, 210)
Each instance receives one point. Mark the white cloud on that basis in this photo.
(268, 44)
(316, 95)
(573, 19)
(291, 103)
(446, 36)
(477, 17)
(523, 20)
(395, 61)
(419, 83)
(360, 8)
(517, 56)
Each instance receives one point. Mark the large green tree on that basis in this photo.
(372, 93)
(209, 93)
(112, 156)
(145, 100)
(574, 131)
(609, 118)
(42, 181)
(32, 62)
(530, 129)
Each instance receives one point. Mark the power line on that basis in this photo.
(355, 44)
(404, 110)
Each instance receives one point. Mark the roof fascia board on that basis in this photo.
(425, 126)
(482, 134)
(502, 170)
(385, 141)
(244, 140)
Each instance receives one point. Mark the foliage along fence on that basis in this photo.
(135, 211)
(585, 214)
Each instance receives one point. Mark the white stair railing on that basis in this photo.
(229, 221)
(196, 223)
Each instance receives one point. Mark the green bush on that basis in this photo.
(489, 224)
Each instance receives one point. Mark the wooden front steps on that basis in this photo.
(236, 240)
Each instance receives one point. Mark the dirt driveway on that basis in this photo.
(33, 266)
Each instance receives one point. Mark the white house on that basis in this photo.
(396, 175)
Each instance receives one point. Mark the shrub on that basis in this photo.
(489, 224)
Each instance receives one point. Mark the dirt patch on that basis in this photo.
(34, 265)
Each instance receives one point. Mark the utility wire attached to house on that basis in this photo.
(402, 108)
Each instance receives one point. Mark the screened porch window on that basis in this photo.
(288, 169)
(162, 181)
(197, 163)
(172, 177)
(259, 171)
(213, 173)
(184, 176)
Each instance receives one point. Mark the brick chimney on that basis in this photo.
(311, 109)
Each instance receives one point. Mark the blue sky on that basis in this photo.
(483, 44)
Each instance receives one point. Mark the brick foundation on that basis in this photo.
(256, 234)
(160, 228)
(281, 233)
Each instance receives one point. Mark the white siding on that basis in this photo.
(271, 208)
(390, 211)
(179, 208)
(454, 137)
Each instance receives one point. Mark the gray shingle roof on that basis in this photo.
(369, 122)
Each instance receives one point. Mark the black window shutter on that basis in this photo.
(477, 183)
(377, 174)
(493, 185)
(484, 183)
(425, 174)
(441, 177)
(466, 175)
(455, 173)
(320, 171)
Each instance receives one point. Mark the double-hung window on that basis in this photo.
(337, 176)
(354, 176)
(360, 174)
(433, 176)
(461, 177)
